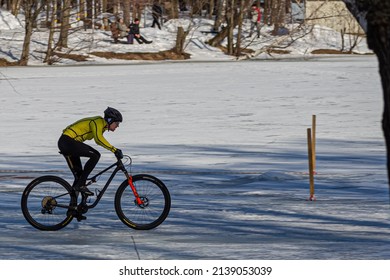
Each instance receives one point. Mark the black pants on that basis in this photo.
(73, 150)
(140, 40)
(156, 21)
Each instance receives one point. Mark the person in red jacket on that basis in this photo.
(255, 20)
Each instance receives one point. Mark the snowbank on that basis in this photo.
(9, 22)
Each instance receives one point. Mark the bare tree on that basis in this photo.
(353, 40)
(15, 6)
(279, 15)
(231, 24)
(126, 12)
(196, 7)
(82, 9)
(175, 5)
(211, 8)
(50, 48)
(65, 24)
(373, 16)
(233, 16)
(267, 12)
(242, 9)
(172, 8)
(220, 14)
(274, 11)
(31, 8)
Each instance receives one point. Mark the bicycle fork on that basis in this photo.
(136, 195)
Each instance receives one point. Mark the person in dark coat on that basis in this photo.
(135, 34)
(156, 13)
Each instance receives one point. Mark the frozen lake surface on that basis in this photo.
(229, 141)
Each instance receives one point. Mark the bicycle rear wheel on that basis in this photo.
(46, 202)
(156, 203)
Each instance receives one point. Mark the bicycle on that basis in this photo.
(142, 201)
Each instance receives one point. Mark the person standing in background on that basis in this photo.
(255, 20)
(157, 14)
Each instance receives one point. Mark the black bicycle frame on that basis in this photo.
(119, 166)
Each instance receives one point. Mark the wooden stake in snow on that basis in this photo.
(313, 138)
(311, 167)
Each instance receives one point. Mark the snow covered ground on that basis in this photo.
(227, 138)
(88, 41)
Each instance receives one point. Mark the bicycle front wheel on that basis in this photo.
(46, 202)
(156, 203)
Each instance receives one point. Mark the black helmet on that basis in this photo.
(112, 115)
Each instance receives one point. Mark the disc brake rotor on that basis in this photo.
(145, 202)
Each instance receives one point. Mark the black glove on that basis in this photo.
(118, 153)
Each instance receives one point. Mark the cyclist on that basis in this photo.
(72, 146)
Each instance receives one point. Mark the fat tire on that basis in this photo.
(150, 188)
(48, 187)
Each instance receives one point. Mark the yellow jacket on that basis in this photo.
(89, 128)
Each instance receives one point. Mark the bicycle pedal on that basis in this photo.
(81, 218)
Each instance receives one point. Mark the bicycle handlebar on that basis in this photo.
(125, 160)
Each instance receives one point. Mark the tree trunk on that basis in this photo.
(126, 12)
(115, 4)
(49, 53)
(133, 9)
(180, 40)
(31, 12)
(373, 16)
(217, 39)
(267, 12)
(234, 18)
(15, 7)
(274, 11)
(211, 9)
(280, 16)
(239, 33)
(195, 8)
(26, 43)
(378, 38)
(82, 10)
(65, 24)
(220, 15)
(243, 10)
(89, 8)
(175, 5)
(104, 6)
(231, 25)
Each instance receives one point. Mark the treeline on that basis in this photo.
(227, 15)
